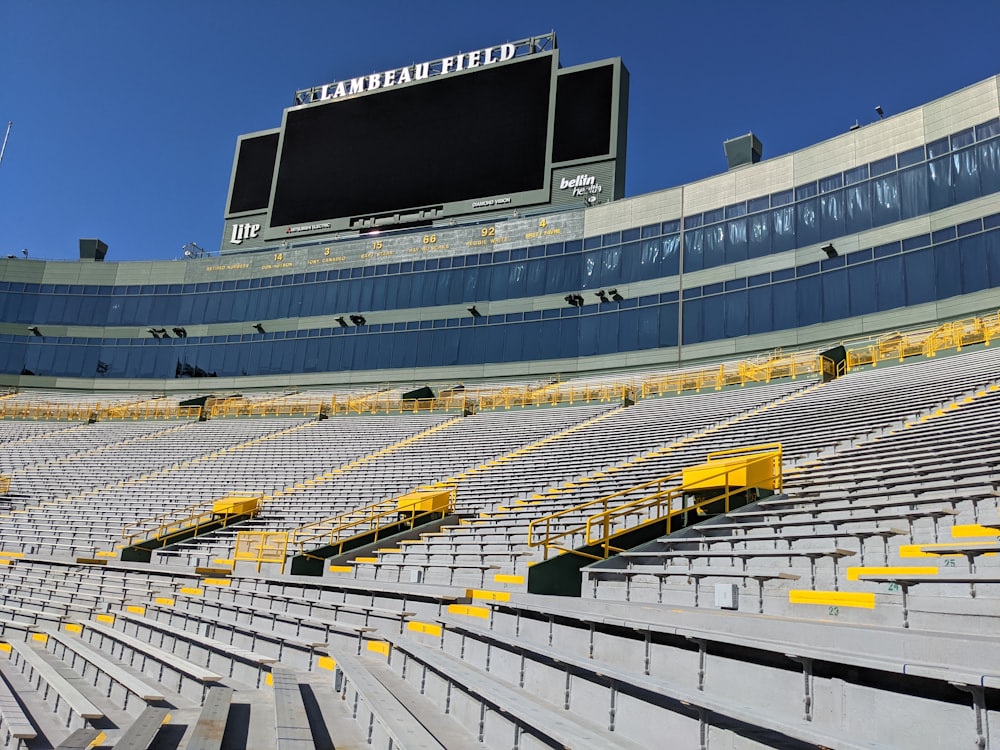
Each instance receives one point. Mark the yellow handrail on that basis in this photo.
(351, 523)
(666, 490)
(182, 519)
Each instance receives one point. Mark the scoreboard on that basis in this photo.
(487, 133)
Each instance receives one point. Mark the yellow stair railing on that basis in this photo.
(661, 499)
(374, 518)
(191, 518)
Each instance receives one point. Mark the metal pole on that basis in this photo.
(5, 137)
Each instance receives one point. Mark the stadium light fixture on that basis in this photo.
(602, 295)
(574, 300)
(880, 112)
(474, 312)
(181, 333)
(33, 330)
(24, 252)
(342, 322)
(830, 250)
(358, 320)
(258, 327)
(615, 295)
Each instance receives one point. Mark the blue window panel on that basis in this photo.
(755, 205)
(532, 345)
(607, 340)
(883, 166)
(943, 235)
(446, 345)
(857, 208)
(836, 295)
(736, 240)
(988, 129)
(970, 227)
(919, 269)
(715, 246)
(947, 261)
(759, 310)
(517, 278)
(759, 235)
(710, 289)
(694, 250)
(569, 333)
(858, 174)
(611, 261)
(807, 190)
(627, 325)
(941, 185)
(736, 316)
(366, 351)
(785, 306)
(647, 328)
(535, 281)
(988, 155)
(965, 172)
(833, 212)
(809, 293)
(587, 334)
(890, 283)
(782, 229)
(974, 271)
(631, 258)
(781, 198)
(668, 324)
(885, 200)
(807, 226)
(912, 243)
(494, 343)
(591, 243)
(590, 272)
(12, 355)
(365, 288)
(911, 157)
(693, 321)
(692, 221)
(714, 216)
(630, 235)
(962, 139)
(992, 243)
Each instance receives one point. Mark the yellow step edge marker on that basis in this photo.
(135, 609)
(469, 611)
(72, 627)
(379, 647)
(854, 571)
(424, 627)
(40, 637)
(5, 648)
(327, 663)
(967, 531)
(192, 591)
(508, 578)
(489, 596)
(860, 599)
(217, 582)
(914, 550)
(340, 569)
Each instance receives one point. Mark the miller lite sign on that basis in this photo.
(244, 232)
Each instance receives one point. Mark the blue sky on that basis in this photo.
(126, 113)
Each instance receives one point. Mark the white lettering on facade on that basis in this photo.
(244, 232)
(420, 71)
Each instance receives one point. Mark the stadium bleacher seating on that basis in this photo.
(862, 594)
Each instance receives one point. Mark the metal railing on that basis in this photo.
(374, 518)
(926, 342)
(262, 547)
(190, 518)
(241, 408)
(97, 411)
(658, 500)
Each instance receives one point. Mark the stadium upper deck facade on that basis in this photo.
(727, 265)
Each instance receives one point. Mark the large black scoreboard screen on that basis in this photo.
(460, 137)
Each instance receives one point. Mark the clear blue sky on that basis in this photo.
(126, 113)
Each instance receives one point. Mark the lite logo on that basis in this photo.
(244, 232)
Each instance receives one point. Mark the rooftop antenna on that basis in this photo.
(5, 137)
